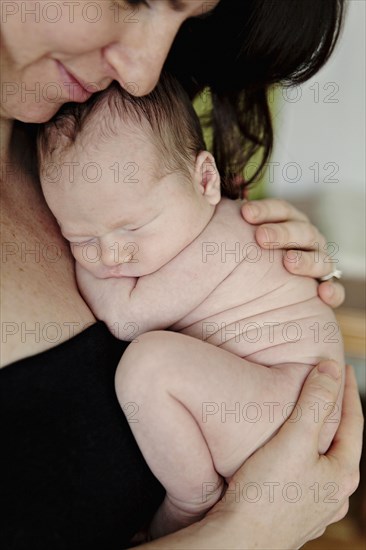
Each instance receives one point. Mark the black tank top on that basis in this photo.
(73, 476)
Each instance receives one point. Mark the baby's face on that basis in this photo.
(120, 220)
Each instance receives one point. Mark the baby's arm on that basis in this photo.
(158, 300)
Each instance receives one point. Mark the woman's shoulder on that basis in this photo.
(88, 347)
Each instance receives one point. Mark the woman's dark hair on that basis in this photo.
(240, 50)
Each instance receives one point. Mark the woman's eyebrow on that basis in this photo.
(179, 5)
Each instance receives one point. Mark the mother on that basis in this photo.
(74, 477)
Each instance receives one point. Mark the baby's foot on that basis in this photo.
(174, 514)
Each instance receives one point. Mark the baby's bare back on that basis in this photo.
(260, 311)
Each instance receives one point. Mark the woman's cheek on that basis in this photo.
(68, 28)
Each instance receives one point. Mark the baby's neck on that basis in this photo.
(206, 220)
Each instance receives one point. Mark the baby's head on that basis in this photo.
(128, 178)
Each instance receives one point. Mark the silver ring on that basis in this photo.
(337, 274)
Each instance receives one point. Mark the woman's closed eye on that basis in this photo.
(122, 3)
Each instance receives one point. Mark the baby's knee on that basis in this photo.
(145, 363)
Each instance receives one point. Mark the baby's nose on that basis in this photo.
(114, 254)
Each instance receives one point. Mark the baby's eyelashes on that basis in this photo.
(80, 242)
(132, 227)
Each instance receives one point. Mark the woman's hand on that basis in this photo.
(286, 494)
(281, 225)
(290, 492)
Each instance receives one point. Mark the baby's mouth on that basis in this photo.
(117, 271)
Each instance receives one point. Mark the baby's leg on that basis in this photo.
(200, 412)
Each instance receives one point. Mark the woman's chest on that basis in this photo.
(40, 305)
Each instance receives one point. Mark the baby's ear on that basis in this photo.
(207, 177)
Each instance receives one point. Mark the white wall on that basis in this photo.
(320, 144)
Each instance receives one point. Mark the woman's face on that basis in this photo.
(56, 52)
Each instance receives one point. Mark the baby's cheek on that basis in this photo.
(81, 256)
(75, 252)
(159, 252)
(153, 260)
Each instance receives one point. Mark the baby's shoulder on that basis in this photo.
(234, 235)
(230, 209)
(229, 222)
(257, 271)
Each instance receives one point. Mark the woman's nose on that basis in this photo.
(137, 67)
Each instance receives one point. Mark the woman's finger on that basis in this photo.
(332, 293)
(271, 210)
(347, 444)
(301, 430)
(309, 264)
(299, 235)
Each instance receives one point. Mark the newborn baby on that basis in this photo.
(156, 247)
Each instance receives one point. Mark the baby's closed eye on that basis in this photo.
(80, 242)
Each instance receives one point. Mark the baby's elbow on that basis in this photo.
(123, 328)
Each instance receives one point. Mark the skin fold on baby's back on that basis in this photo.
(260, 311)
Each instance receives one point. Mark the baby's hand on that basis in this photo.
(106, 298)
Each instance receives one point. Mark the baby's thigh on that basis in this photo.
(190, 368)
(156, 364)
(236, 403)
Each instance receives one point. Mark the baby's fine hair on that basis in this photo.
(166, 114)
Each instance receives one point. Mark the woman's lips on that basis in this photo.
(76, 90)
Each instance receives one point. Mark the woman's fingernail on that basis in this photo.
(330, 290)
(270, 234)
(331, 368)
(293, 257)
